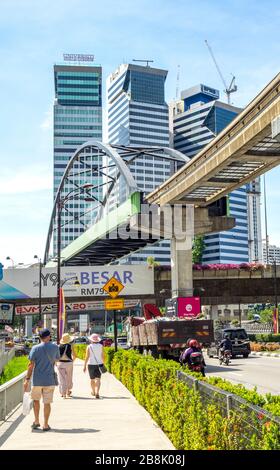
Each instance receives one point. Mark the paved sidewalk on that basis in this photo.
(268, 354)
(116, 421)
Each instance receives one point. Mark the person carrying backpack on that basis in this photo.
(193, 357)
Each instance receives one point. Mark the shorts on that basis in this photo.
(94, 371)
(37, 392)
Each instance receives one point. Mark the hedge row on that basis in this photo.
(179, 411)
(15, 366)
(264, 337)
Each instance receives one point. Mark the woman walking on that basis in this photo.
(95, 360)
(65, 366)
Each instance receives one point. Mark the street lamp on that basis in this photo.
(59, 206)
(40, 286)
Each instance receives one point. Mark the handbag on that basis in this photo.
(102, 368)
(54, 373)
(27, 403)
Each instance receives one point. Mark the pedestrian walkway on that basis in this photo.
(116, 421)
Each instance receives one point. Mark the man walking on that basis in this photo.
(41, 368)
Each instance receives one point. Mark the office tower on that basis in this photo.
(197, 118)
(139, 116)
(77, 118)
(254, 221)
(273, 254)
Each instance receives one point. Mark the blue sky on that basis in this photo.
(33, 36)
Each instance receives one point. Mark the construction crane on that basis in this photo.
(144, 60)
(232, 86)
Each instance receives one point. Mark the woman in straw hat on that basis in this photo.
(95, 360)
(65, 365)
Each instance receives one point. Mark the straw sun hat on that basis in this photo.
(66, 338)
(94, 338)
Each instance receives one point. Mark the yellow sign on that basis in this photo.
(113, 287)
(114, 304)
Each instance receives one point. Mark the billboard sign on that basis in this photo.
(84, 281)
(72, 307)
(6, 314)
(188, 307)
(183, 307)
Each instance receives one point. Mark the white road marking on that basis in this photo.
(235, 373)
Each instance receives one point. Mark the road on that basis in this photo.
(260, 371)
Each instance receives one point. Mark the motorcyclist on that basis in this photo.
(225, 345)
(185, 357)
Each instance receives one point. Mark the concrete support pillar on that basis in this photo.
(181, 267)
(48, 321)
(214, 312)
(28, 326)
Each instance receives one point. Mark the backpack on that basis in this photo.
(196, 358)
(182, 358)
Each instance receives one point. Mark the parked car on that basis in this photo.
(81, 340)
(122, 342)
(105, 341)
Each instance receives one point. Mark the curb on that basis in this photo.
(264, 354)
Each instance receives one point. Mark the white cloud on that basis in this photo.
(25, 180)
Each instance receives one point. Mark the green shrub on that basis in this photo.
(179, 411)
(15, 366)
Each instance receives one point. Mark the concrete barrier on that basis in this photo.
(11, 395)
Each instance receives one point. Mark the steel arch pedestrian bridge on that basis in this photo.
(248, 147)
(102, 175)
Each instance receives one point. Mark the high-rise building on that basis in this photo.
(139, 116)
(273, 254)
(77, 118)
(197, 118)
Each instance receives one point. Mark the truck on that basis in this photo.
(166, 337)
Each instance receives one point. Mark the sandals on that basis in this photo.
(35, 426)
(47, 429)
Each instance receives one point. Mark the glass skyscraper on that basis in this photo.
(139, 116)
(77, 118)
(197, 118)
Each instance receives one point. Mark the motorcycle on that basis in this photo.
(225, 357)
(197, 362)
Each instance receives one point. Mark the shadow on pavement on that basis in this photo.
(114, 398)
(81, 398)
(74, 431)
(210, 369)
(11, 428)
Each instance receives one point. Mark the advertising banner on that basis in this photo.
(6, 314)
(71, 307)
(183, 307)
(85, 281)
(188, 307)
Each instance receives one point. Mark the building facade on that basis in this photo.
(197, 118)
(273, 254)
(77, 118)
(139, 116)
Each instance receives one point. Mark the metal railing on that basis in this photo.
(11, 395)
(258, 328)
(252, 418)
